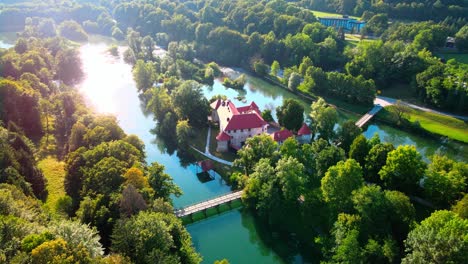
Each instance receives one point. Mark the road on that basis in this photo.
(386, 101)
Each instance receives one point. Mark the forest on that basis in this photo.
(349, 199)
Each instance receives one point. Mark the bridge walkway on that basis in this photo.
(202, 206)
(369, 115)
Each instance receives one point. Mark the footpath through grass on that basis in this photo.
(437, 124)
(54, 171)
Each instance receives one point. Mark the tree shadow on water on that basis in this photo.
(285, 245)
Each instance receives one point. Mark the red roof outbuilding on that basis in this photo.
(304, 130)
(222, 136)
(281, 135)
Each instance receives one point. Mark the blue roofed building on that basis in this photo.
(345, 22)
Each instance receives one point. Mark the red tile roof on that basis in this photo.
(232, 107)
(222, 136)
(304, 130)
(281, 135)
(245, 121)
(253, 106)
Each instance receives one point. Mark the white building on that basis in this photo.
(236, 124)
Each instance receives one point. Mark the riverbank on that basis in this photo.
(426, 123)
(417, 121)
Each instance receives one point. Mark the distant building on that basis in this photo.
(450, 42)
(304, 135)
(236, 124)
(349, 24)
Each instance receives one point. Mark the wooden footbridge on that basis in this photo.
(203, 206)
(368, 116)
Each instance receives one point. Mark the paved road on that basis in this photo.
(386, 101)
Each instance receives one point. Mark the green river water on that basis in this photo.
(236, 234)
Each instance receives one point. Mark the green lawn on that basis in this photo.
(460, 57)
(435, 123)
(54, 171)
(199, 139)
(327, 14)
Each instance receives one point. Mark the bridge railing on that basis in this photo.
(204, 201)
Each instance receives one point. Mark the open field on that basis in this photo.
(54, 171)
(437, 124)
(328, 14)
(460, 57)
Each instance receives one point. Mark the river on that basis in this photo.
(109, 88)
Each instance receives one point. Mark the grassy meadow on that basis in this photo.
(54, 171)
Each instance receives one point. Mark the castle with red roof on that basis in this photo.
(236, 124)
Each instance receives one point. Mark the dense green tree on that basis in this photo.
(267, 116)
(154, 238)
(324, 119)
(461, 39)
(290, 148)
(461, 207)
(346, 134)
(190, 103)
(359, 149)
(403, 170)
(260, 146)
(376, 25)
(275, 68)
(375, 160)
(20, 105)
(291, 178)
(69, 66)
(401, 214)
(294, 81)
(72, 30)
(78, 235)
(290, 114)
(143, 73)
(104, 177)
(184, 133)
(339, 182)
(161, 182)
(440, 238)
(445, 180)
(327, 157)
(370, 203)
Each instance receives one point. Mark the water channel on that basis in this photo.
(235, 235)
